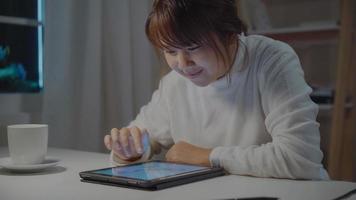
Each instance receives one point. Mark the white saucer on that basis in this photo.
(6, 163)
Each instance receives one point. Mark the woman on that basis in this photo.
(235, 101)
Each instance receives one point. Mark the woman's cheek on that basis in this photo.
(171, 63)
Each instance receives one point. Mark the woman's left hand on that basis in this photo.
(183, 152)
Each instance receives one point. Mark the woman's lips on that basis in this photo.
(195, 74)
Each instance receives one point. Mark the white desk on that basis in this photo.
(63, 182)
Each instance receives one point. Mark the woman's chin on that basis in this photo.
(200, 83)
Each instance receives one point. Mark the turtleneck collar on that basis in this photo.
(237, 68)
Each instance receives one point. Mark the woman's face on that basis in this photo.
(197, 63)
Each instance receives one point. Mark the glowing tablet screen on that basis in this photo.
(149, 170)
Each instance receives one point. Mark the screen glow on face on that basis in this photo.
(150, 170)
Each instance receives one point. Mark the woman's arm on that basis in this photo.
(153, 118)
(290, 119)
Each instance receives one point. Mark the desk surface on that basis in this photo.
(63, 182)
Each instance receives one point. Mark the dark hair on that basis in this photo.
(181, 23)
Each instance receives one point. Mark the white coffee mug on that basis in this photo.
(27, 143)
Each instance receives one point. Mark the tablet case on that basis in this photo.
(156, 185)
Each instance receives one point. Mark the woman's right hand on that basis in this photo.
(126, 143)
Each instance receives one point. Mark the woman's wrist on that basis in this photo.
(206, 157)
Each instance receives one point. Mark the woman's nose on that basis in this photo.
(184, 60)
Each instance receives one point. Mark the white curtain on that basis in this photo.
(99, 69)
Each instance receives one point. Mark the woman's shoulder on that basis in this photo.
(260, 49)
(268, 56)
(264, 46)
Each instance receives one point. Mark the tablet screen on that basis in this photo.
(149, 170)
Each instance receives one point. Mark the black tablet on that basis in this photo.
(151, 175)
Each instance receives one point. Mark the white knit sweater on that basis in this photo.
(261, 123)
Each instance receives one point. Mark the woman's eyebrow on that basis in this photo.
(193, 46)
(167, 48)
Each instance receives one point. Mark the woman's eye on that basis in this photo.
(171, 52)
(193, 48)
